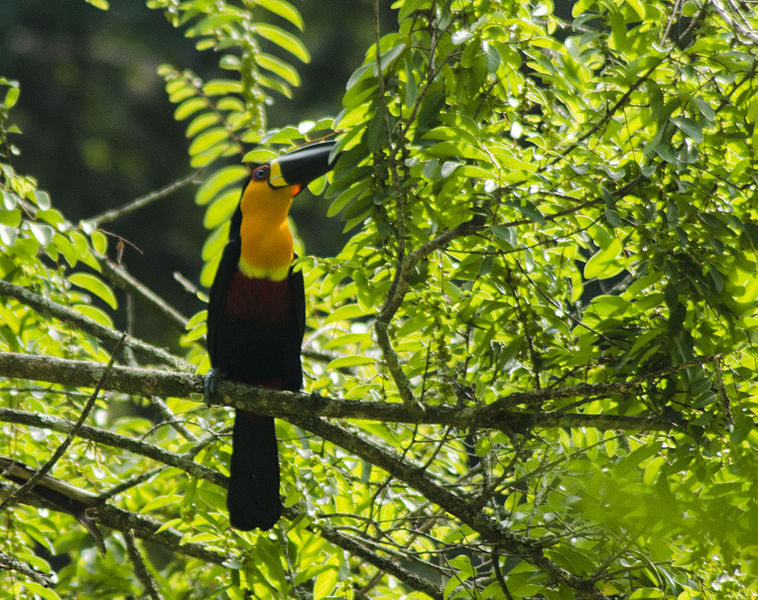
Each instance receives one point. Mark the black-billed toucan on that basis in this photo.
(256, 320)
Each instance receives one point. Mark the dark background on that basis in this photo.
(98, 129)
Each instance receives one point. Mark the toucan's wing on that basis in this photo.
(297, 289)
(217, 299)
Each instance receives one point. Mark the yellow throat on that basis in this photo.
(266, 251)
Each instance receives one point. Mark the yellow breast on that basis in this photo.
(266, 242)
(266, 254)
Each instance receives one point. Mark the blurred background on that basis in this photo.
(98, 129)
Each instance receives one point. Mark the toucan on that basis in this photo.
(256, 321)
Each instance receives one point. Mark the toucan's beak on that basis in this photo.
(301, 166)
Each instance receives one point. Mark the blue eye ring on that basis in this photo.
(261, 173)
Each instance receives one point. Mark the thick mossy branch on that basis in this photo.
(278, 403)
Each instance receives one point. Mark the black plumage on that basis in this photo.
(256, 321)
(255, 330)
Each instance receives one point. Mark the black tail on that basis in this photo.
(253, 496)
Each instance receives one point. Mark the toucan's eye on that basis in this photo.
(261, 173)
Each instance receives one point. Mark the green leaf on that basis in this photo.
(259, 156)
(530, 211)
(94, 313)
(99, 242)
(275, 85)
(207, 140)
(639, 7)
(31, 586)
(344, 313)
(376, 132)
(278, 67)
(389, 56)
(190, 107)
(284, 40)
(690, 128)
(42, 199)
(11, 96)
(359, 74)
(221, 208)
(461, 36)
(408, 7)
(666, 152)
(43, 233)
(612, 217)
(606, 262)
(647, 592)
(606, 305)
(325, 584)
(96, 286)
(8, 235)
(161, 501)
(350, 361)
(650, 474)
(101, 4)
(283, 9)
(222, 87)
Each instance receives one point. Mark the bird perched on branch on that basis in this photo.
(256, 320)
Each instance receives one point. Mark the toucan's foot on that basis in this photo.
(210, 384)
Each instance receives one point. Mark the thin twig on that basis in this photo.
(121, 278)
(129, 483)
(140, 568)
(170, 418)
(499, 576)
(117, 213)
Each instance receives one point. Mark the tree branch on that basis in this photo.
(13, 564)
(47, 307)
(140, 568)
(589, 389)
(280, 403)
(117, 213)
(356, 548)
(115, 440)
(121, 278)
(123, 520)
(491, 530)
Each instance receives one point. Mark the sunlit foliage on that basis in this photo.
(554, 226)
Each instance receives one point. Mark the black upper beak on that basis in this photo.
(301, 166)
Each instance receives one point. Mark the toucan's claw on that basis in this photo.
(210, 384)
